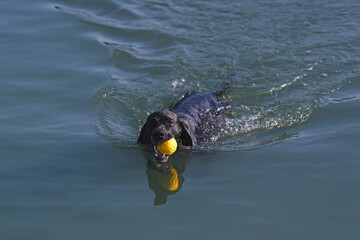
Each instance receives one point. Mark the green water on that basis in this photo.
(78, 79)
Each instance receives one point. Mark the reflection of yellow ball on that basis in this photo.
(169, 180)
(168, 147)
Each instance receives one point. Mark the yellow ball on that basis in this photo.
(168, 147)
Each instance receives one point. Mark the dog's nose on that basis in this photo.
(158, 135)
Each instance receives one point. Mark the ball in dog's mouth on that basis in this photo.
(165, 149)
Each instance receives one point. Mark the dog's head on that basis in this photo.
(162, 126)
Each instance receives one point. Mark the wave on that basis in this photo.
(280, 68)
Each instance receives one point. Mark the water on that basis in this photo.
(79, 78)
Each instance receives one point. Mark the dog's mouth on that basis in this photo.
(160, 157)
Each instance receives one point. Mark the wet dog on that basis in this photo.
(187, 121)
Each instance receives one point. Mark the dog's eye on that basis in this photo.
(170, 123)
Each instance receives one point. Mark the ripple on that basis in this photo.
(279, 66)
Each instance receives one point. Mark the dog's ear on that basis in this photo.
(141, 139)
(187, 134)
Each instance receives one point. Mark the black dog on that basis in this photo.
(187, 121)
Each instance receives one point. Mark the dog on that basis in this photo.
(187, 121)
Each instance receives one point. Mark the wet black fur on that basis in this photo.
(185, 122)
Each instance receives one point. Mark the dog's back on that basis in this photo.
(201, 111)
(196, 104)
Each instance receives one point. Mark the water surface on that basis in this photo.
(80, 77)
